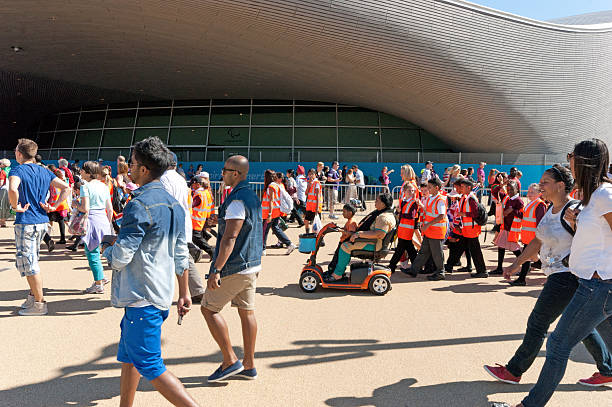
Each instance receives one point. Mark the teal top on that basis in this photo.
(97, 192)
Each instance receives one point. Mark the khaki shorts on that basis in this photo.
(237, 288)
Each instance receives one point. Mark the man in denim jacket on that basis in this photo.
(150, 248)
(235, 266)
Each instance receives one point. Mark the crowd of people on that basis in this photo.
(152, 220)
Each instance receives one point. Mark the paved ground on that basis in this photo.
(423, 344)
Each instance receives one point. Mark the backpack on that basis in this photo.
(118, 200)
(483, 216)
(286, 202)
(576, 204)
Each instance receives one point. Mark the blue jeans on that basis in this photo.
(554, 298)
(276, 229)
(591, 308)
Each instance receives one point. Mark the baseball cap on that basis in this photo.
(203, 174)
(428, 162)
(300, 169)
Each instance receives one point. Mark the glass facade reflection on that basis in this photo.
(212, 130)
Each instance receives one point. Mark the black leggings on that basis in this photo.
(57, 217)
(501, 253)
(403, 245)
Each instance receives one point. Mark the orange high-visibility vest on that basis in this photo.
(514, 234)
(469, 228)
(199, 213)
(270, 203)
(436, 230)
(209, 205)
(530, 222)
(314, 197)
(405, 229)
(573, 193)
(54, 194)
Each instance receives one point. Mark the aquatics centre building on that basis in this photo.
(304, 80)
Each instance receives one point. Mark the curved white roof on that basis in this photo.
(483, 80)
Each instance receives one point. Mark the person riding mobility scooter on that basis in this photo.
(379, 228)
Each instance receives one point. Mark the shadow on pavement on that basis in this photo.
(469, 393)
(294, 291)
(80, 384)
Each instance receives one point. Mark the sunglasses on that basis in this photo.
(229, 169)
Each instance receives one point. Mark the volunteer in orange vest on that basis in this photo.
(433, 229)
(510, 233)
(408, 218)
(470, 231)
(314, 199)
(533, 212)
(60, 213)
(201, 208)
(271, 212)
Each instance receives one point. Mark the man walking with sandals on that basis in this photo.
(234, 270)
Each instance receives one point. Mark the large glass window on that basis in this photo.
(358, 137)
(272, 116)
(228, 136)
(110, 154)
(315, 154)
(270, 154)
(120, 118)
(230, 115)
(48, 123)
(315, 116)
(196, 116)
(357, 155)
(357, 116)
(271, 136)
(68, 121)
(91, 120)
(88, 138)
(387, 120)
(403, 138)
(222, 154)
(432, 142)
(63, 139)
(85, 155)
(315, 136)
(141, 134)
(188, 136)
(153, 118)
(117, 138)
(268, 129)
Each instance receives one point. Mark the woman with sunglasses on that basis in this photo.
(591, 306)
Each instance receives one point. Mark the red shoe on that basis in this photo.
(502, 374)
(596, 380)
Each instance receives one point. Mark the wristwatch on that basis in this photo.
(212, 273)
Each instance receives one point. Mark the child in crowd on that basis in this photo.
(408, 223)
(350, 227)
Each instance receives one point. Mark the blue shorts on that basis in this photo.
(140, 342)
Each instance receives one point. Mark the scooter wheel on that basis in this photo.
(309, 282)
(379, 285)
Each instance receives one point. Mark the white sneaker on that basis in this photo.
(95, 289)
(28, 303)
(290, 249)
(37, 308)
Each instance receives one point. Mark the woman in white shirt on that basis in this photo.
(591, 306)
(553, 242)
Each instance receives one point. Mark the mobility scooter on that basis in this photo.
(362, 276)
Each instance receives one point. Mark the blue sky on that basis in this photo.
(547, 9)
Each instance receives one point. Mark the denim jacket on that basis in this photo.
(249, 243)
(149, 250)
